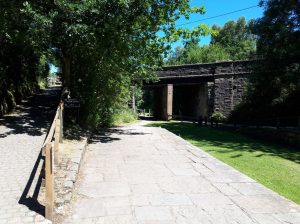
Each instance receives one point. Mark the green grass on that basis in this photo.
(276, 167)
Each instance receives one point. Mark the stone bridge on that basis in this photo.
(198, 90)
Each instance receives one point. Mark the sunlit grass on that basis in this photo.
(276, 167)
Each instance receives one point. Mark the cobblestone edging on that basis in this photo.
(66, 173)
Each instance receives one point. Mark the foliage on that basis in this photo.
(124, 116)
(197, 54)
(23, 53)
(138, 95)
(105, 45)
(147, 100)
(42, 83)
(210, 53)
(100, 46)
(257, 159)
(236, 38)
(279, 44)
(217, 117)
(233, 41)
(275, 85)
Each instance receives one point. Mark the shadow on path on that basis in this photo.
(105, 135)
(33, 115)
(32, 201)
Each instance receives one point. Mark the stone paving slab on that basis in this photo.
(143, 175)
(21, 137)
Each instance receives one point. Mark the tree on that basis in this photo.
(276, 84)
(106, 45)
(103, 47)
(23, 53)
(236, 38)
(233, 41)
(176, 56)
(205, 54)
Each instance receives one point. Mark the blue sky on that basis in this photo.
(53, 69)
(218, 7)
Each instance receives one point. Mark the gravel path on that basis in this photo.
(21, 137)
(143, 175)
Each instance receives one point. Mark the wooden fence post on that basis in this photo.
(49, 182)
(61, 136)
(56, 140)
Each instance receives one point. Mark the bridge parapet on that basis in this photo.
(205, 69)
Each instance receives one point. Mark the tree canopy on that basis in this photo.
(236, 38)
(196, 54)
(102, 46)
(23, 53)
(275, 86)
(233, 41)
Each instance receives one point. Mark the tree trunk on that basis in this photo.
(133, 99)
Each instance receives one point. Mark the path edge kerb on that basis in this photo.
(71, 181)
(79, 165)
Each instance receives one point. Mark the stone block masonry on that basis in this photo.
(228, 92)
(221, 87)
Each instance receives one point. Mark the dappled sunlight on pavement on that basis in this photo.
(21, 137)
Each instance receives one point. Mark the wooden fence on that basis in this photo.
(51, 152)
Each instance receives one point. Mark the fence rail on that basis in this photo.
(51, 152)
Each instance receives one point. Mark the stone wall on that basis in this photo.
(228, 92)
(219, 86)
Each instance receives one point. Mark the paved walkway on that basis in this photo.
(21, 137)
(148, 175)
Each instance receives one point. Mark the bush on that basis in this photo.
(217, 117)
(42, 83)
(124, 116)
